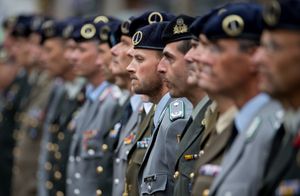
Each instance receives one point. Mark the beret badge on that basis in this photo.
(104, 33)
(180, 27)
(48, 28)
(155, 17)
(272, 13)
(137, 38)
(88, 31)
(233, 25)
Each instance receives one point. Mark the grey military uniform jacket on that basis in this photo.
(189, 146)
(126, 141)
(157, 169)
(87, 148)
(243, 165)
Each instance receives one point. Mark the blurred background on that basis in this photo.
(119, 8)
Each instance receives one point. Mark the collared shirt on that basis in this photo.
(225, 119)
(135, 102)
(249, 111)
(147, 106)
(93, 93)
(160, 108)
(199, 106)
(73, 87)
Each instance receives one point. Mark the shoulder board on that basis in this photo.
(176, 109)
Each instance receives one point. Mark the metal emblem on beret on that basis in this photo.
(48, 28)
(68, 31)
(233, 25)
(155, 17)
(104, 31)
(137, 38)
(101, 19)
(125, 26)
(180, 27)
(88, 31)
(272, 13)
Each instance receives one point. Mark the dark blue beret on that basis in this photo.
(196, 28)
(282, 15)
(22, 26)
(110, 33)
(53, 28)
(178, 29)
(238, 20)
(149, 37)
(147, 18)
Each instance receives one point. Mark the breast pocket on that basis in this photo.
(91, 145)
(154, 183)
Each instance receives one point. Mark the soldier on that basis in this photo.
(233, 37)
(128, 134)
(13, 97)
(86, 175)
(218, 133)
(155, 175)
(31, 118)
(58, 68)
(278, 61)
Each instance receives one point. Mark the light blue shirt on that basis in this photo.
(135, 102)
(160, 108)
(93, 93)
(245, 116)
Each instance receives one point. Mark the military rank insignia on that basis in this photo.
(129, 139)
(176, 110)
(144, 143)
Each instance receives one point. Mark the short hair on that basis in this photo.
(184, 46)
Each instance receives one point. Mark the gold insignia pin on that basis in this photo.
(88, 31)
(101, 19)
(67, 31)
(125, 26)
(104, 31)
(272, 13)
(180, 27)
(137, 38)
(233, 25)
(48, 28)
(155, 17)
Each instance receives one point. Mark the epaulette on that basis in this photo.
(176, 109)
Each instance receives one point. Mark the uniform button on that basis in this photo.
(49, 185)
(76, 191)
(205, 192)
(192, 175)
(77, 175)
(78, 158)
(149, 187)
(104, 147)
(203, 122)
(61, 136)
(57, 155)
(118, 160)
(127, 152)
(69, 181)
(99, 169)
(57, 175)
(48, 166)
(98, 192)
(59, 193)
(176, 174)
(201, 152)
(116, 181)
(91, 152)
(71, 158)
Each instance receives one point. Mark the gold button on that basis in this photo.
(205, 192)
(49, 185)
(192, 175)
(104, 147)
(59, 193)
(54, 128)
(57, 155)
(61, 136)
(203, 122)
(98, 192)
(99, 169)
(57, 175)
(48, 166)
(176, 174)
(55, 147)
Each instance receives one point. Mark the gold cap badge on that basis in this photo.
(137, 38)
(88, 31)
(272, 13)
(155, 17)
(233, 25)
(180, 27)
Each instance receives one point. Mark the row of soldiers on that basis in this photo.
(154, 105)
